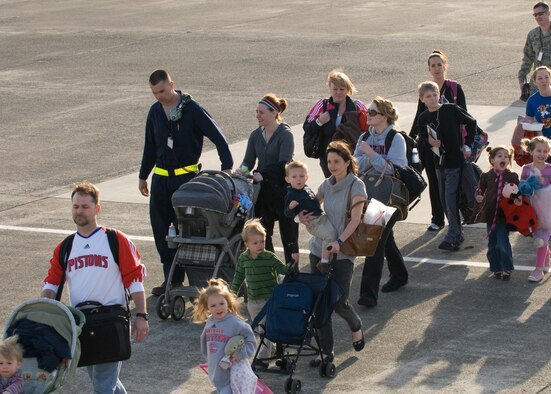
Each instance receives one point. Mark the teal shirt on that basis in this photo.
(260, 274)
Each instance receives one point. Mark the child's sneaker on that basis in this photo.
(536, 275)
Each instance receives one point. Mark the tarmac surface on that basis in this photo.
(74, 97)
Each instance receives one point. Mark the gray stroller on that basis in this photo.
(67, 322)
(211, 211)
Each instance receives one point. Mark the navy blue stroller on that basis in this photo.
(297, 309)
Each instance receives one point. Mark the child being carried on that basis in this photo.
(301, 198)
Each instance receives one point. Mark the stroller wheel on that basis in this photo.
(288, 385)
(292, 385)
(330, 370)
(177, 307)
(162, 309)
(296, 386)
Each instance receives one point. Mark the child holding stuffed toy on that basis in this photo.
(489, 194)
(536, 178)
(217, 305)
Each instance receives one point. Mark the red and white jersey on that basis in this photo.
(92, 273)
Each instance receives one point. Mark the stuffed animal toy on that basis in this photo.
(233, 345)
(519, 214)
(529, 186)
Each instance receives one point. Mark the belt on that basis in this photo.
(178, 171)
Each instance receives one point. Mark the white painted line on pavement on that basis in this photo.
(420, 260)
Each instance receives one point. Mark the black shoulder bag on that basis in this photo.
(105, 336)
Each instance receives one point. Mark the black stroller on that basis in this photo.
(211, 212)
(297, 309)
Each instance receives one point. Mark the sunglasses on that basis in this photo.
(539, 14)
(372, 112)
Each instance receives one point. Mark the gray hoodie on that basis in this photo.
(213, 341)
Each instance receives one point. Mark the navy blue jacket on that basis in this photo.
(306, 199)
(187, 133)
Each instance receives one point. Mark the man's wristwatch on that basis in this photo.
(340, 241)
(144, 315)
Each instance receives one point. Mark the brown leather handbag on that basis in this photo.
(365, 238)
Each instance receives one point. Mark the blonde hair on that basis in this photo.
(216, 287)
(426, 86)
(529, 145)
(10, 349)
(252, 226)
(341, 80)
(387, 109)
(295, 164)
(492, 152)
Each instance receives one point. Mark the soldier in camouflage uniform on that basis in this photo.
(537, 50)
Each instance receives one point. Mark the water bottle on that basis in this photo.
(414, 156)
(171, 230)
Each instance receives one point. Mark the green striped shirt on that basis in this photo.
(260, 274)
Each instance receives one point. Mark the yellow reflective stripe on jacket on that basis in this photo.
(177, 171)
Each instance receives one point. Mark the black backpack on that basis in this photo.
(67, 245)
(410, 145)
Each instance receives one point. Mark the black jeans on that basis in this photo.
(427, 159)
(269, 213)
(161, 214)
(342, 274)
(373, 267)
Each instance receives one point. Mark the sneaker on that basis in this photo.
(536, 275)
(434, 227)
(445, 245)
(496, 275)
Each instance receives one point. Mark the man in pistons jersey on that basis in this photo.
(93, 275)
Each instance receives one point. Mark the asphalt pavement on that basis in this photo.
(74, 98)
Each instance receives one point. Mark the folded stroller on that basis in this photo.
(211, 210)
(63, 320)
(299, 306)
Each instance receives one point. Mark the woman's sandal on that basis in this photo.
(506, 275)
(359, 344)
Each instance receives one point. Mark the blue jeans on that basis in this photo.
(105, 378)
(448, 181)
(225, 390)
(500, 254)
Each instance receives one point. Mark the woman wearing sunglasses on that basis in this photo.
(326, 115)
(450, 92)
(371, 155)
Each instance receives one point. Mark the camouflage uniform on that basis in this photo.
(536, 41)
